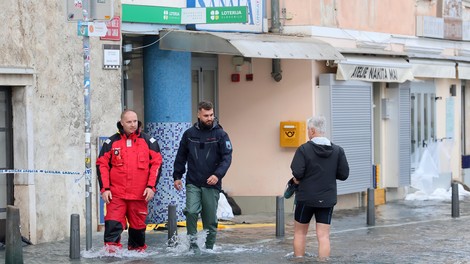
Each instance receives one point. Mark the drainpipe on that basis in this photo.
(275, 21)
(275, 28)
(277, 72)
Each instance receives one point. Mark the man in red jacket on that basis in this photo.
(127, 168)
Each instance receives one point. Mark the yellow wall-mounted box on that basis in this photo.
(292, 133)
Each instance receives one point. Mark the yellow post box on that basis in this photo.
(292, 133)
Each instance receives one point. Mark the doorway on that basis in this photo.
(423, 116)
(203, 81)
(6, 156)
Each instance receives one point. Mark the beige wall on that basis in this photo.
(389, 135)
(251, 112)
(367, 15)
(441, 119)
(48, 113)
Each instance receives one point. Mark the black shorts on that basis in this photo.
(304, 213)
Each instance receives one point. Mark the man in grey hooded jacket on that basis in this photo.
(316, 166)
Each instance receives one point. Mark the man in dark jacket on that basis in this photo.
(127, 169)
(316, 166)
(207, 150)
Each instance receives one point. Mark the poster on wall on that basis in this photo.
(450, 117)
(111, 56)
(114, 29)
(255, 15)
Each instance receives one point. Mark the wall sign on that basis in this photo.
(114, 29)
(255, 15)
(178, 16)
(111, 57)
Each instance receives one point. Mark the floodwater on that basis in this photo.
(404, 232)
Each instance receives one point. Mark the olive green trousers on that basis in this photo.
(204, 201)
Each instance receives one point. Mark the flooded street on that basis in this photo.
(405, 232)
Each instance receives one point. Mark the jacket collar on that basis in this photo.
(200, 127)
(136, 133)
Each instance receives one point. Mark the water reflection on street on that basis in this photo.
(404, 232)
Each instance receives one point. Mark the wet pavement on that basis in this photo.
(404, 232)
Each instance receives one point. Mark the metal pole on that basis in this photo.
(455, 200)
(74, 236)
(87, 94)
(172, 226)
(13, 243)
(280, 216)
(370, 206)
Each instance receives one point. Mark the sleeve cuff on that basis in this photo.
(177, 178)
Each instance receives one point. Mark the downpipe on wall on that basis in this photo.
(275, 28)
(276, 72)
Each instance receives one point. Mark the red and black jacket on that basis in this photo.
(127, 165)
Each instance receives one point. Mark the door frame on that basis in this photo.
(201, 63)
(8, 128)
(423, 117)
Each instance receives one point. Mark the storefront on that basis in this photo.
(185, 67)
(366, 103)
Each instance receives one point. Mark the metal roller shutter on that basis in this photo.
(405, 134)
(350, 118)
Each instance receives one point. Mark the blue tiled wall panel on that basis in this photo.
(168, 136)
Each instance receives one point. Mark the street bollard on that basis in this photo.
(455, 200)
(370, 206)
(279, 216)
(74, 236)
(13, 243)
(172, 225)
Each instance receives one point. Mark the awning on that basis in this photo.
(370, 51)
(248, 45)
(374, 69)
(433, 68)
(463, 71)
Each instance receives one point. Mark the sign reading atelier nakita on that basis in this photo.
(374, 73)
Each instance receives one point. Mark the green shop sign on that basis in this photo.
(151, 14)
(178, 16)
(218, 15)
